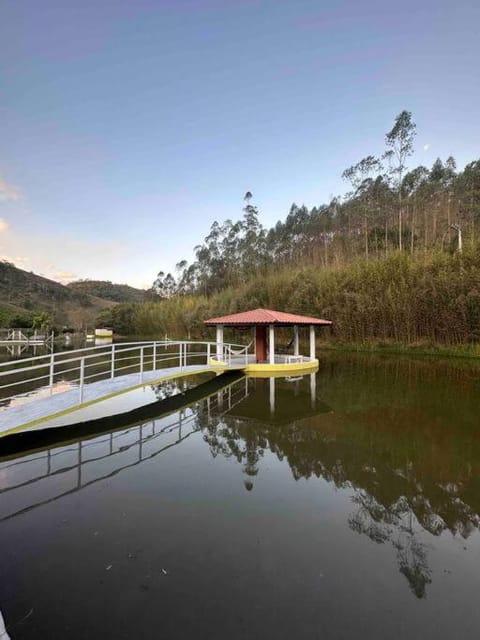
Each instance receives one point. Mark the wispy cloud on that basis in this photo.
(65, 276)
(3, 225)
(19, 261)
(8, 191)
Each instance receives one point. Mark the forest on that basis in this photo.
(397, 257)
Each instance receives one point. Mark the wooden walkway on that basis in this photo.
(46, 411)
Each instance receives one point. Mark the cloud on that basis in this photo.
(63, 276)
(426, 147)
(3, 225)
(19, 261)
(8, 191)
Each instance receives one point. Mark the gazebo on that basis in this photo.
(267, 320)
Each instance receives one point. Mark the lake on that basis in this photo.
(343, 505)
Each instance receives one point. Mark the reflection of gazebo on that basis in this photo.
(277, 401)
(261, 320)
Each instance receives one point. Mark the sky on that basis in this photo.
(128, 126)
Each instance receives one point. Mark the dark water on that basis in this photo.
(343, 506)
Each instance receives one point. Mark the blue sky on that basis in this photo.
(128, 127)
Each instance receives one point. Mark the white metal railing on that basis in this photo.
(231, 355)
(146, 440)
(83, 366)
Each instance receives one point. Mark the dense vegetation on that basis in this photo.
(108, 290)
(25, 298)
(394, 259)
(388, 208)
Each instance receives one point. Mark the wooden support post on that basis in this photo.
(295, 340)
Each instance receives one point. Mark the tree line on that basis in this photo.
(388, 207)
(397, 258)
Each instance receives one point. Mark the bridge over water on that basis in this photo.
(71, 454)
(42, 391)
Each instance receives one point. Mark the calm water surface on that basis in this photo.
(340, 506)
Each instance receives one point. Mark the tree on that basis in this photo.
(41, 321)
(399, 141)
(359, 176)
(165, 285)
(412, 188)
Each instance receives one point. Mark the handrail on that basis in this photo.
(120, 345)
(102, 361)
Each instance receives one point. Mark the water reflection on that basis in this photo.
(389, 438)
(384, 432)
(77, 465)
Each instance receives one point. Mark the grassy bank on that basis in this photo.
(397, 348)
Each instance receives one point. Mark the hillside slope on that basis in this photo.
(108, 290)
(23, 293)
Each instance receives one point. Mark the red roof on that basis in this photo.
(265, 316)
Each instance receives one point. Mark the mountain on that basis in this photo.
(108, 290)
(24, 293)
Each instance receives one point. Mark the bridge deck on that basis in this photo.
(38, 412)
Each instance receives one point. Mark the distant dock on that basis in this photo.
(14, 337)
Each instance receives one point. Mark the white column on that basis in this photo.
(295, 340)
(272, 396)
(219, 341)
(271, 344)
(312, 342)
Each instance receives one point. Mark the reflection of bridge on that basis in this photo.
(77, 462)
(39, 389)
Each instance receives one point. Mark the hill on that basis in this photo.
(108, 290)
(24, 293)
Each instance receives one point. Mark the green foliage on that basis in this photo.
(4, 318)
(121, 318)
(107, 290)
(389, 208)
(41, 320)
(20, 321)
(23, 294)
(410, 299)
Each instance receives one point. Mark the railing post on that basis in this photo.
(52, 365)
(141, 363)
(154, 357)
(180, 359)
(208, 353)
(112, 364)
(185, 352)
(82, 378)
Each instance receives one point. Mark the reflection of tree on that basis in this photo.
(413, 563)
(247, 446)
(404, 483)
(167, 389)
(386, 524)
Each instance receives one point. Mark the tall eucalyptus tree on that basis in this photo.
(399, 141)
